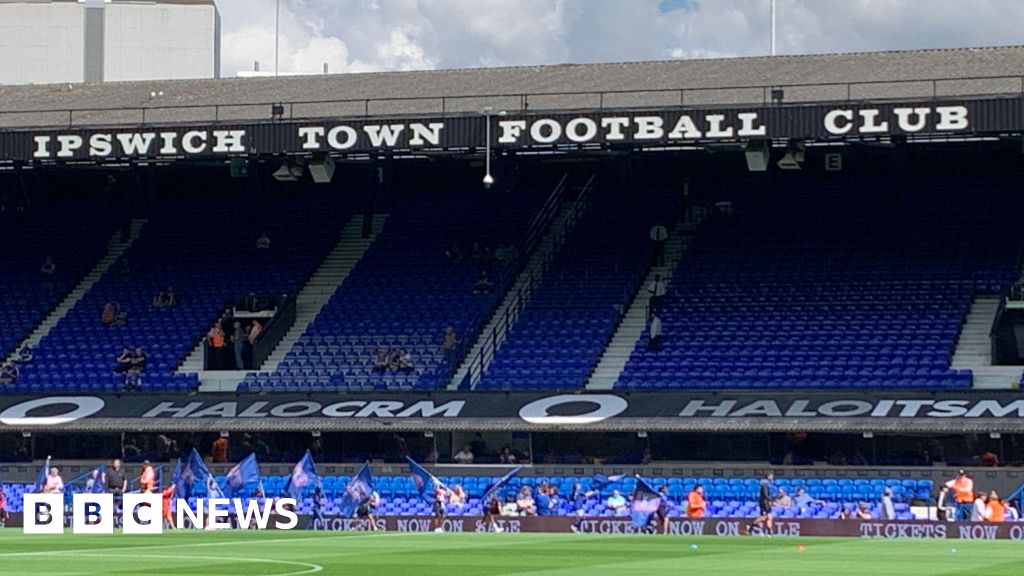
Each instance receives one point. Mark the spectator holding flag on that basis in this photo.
(358, 493)
(44, 472)
(492, 499)
(440, 508)
(431, 489)
(645, 505)
(243, 478)
(367, 511)
(662, 513)
(492, 509)
(304, 475)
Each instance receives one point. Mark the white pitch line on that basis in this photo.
(204, 544)
(310, 568)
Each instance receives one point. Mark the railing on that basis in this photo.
(748, 95)
(1017, 495)
(1011, 294)
(696, 216)
(535, 232)
(273, 332)
(542, 221)
(521, 297)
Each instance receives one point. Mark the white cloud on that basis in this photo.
(400, 52)
(369, 35)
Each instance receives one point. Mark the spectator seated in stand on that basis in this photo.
(109, 315)
(506, 456)
(802, 500)
(525, 505)
(617, 504)
(25, 355)
(123, 363)
(483, 283)
(139, 360)
(382, 360)
(451, 342)
(263, 242)
(458, 496)
(782, 499)
(133, 380)
(120, 316)
(405, 361)
(165, 299)
(863, 511)
(48, 268)
(9, 373)
(464, 456)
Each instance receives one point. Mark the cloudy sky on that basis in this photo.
(378, 35)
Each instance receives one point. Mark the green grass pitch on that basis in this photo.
(270, 553)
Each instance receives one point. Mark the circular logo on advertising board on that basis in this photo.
(600, 407)
(78, 407)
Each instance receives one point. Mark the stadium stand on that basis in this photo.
(206, 252)
(72, 232)
(405, 291)
(833, 285)
(560, 334)
(732, 497)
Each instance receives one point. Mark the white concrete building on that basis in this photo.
(70, 41)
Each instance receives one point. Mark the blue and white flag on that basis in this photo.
(95, 483)
(243, 478)
(646, 502)
(359, 488)
(44, 471)
(304, 475)
(424, 481)
(493, 488)
(190, 472)
(600, 481)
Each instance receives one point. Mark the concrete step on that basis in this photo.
(115, 248)
(974, 347)
(313, 296)
(633, 323)
(548, 246)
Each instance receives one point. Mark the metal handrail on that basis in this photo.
(444, 107)
(535, 231)
(498, 334)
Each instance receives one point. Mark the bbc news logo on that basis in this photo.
(143, 514)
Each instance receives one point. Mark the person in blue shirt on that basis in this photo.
(544, 501)
(802, 500)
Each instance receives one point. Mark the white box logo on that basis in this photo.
(92, 513)
(143, 514)
(44, 514)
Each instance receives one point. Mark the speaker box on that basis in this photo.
(322, 169)
(758, 154)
